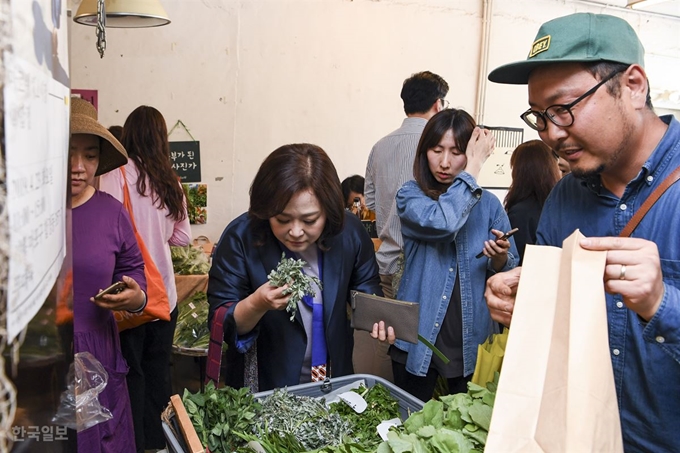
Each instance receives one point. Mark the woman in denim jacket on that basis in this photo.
(446, 220)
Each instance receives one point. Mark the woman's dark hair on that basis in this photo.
(462, 125)
(534, 173)
(145, 137)
(354, 183)
(287, 171)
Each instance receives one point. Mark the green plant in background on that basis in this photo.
(189, 260)
(192, 329)
(197, 201)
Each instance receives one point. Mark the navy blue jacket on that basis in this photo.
(239, 267)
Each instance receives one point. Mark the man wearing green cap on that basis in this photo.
(589, 100)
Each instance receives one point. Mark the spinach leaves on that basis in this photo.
(217, 414)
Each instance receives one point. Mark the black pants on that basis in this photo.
(147, 350)
(423, 387)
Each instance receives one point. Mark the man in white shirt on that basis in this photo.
(390, 165)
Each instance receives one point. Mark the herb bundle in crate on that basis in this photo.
(295, 419)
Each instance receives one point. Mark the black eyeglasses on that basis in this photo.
(445, 104)
(559, 114)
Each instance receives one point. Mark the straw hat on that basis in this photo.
(84, 121)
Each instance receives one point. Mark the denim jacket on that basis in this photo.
(442, 237)
(645, 356)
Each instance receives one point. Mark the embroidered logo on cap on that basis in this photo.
(540, 45)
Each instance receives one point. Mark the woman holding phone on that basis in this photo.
(446, 219)
(104, 252)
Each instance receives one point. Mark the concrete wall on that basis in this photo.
(248, 76)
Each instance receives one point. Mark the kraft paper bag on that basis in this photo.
(556, 391)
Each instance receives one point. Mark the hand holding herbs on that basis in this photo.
(289, 272)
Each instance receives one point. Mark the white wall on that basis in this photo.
(248, 76)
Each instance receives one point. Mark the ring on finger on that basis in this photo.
(622, 275)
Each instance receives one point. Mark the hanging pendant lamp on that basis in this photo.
(124, 13)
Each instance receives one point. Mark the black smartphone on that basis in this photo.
(113, 289)
(505, 236)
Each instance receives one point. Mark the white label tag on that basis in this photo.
(354, 400)
(256, 446)
(385, 426)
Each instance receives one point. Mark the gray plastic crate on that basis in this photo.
(407, 402)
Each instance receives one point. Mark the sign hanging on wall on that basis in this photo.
(90, 96)
(186, 160)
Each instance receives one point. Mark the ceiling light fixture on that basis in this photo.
(119, 14)
(124, 13)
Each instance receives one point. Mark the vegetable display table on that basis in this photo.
(188, 285)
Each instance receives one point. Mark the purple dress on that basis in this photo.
(104, 249)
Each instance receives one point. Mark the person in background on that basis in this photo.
(160, 212)
(589, 100)
(390, 164)
(297, 209)
(353, 187)
(117, 131)
(446, 219)
(104, 251)
(562, 164)
(534, 174)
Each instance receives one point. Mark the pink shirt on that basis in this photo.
(158, 231)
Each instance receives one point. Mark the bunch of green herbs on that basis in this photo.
(289, 271)
(381, 406)
(192, 329)
(454, 423)
(189, 260)
(270, 442)
(306, 418)
(220, 415)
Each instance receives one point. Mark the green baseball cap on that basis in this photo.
(580, 37)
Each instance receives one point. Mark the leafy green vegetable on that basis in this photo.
(192, 329)
(381, 406)
(220, 415)
(189, 260)
(271, 442)
(455, 424)
(289, 271)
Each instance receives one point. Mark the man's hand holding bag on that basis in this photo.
(556, 391)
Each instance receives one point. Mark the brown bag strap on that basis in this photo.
(649, 202)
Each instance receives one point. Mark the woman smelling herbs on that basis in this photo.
(296, 209)
(446, 220)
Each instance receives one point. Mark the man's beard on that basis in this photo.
(584, 174)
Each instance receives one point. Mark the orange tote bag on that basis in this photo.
(158, 304)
